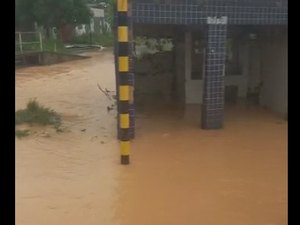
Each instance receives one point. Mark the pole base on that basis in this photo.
(124, 159)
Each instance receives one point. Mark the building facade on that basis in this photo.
(223, 51)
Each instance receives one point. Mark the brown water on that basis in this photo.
(70, 177)
(179, 174)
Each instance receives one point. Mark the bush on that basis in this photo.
(106, 40)
(22, 133)
(50, 45)
(35, 113)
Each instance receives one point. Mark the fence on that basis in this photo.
(28, 42)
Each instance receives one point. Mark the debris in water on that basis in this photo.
(44, 134)
(109, 108)
(104, 92)
(166, 135)
(84, 46)
(93, 138)
(107, 90)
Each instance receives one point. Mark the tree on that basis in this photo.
(51, 13)
(25, 17)
(110, 15)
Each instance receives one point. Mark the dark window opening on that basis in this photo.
(198, 55)
(233, 64)
(231, 94)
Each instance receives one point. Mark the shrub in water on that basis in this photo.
(36, 113)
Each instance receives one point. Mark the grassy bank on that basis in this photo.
(106, 40)
(35, 113)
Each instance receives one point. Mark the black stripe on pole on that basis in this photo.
(123, 106)
(122, 19)
(124, 159)
(124, 78)
(124, 134)
(123, 49)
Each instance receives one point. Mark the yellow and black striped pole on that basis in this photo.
(123, 79)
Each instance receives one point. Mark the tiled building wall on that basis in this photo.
(196, 11)
(274, 73)
(213, 98)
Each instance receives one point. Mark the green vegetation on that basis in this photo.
(106, 40)
(50, 13)
(149, 46)
(59, 13)
(37, 114)
(22, 133)
(50, 45)
(53, 45)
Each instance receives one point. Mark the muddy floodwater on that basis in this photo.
(179, 174)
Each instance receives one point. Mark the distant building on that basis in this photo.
(98, 23)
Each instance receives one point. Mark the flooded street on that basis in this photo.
(70, 177)
(179, 174)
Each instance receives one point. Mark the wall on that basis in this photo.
(194, 88)
(263, 60)
(241, 80)
(157, 75)
(254, 67)
(275, 73)
(154, 75)
(180, 78)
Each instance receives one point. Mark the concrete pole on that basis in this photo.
(131, 74)
(20, 42)
(213, 96)
(41, 41)
(124, 80)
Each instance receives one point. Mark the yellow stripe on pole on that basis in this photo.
(123, 64)
(124, 120)
(124, 92)
(122, 5)
(123, 34)
(125, 147)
